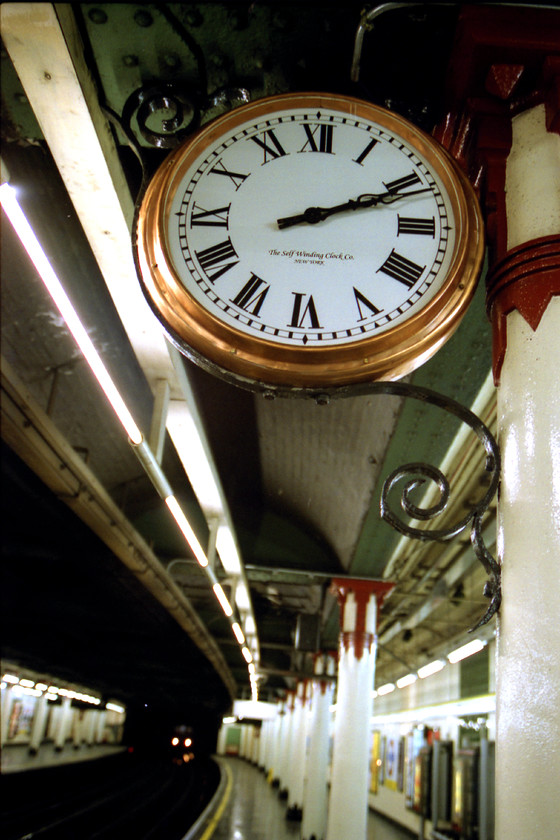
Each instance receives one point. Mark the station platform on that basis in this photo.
(251, 809)
(16, 758)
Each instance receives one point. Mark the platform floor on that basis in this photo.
(16, 758)
(253, 811)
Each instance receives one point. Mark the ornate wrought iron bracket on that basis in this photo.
(419, 473)
(416, 474)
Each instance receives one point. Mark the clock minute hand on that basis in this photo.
(312, 215)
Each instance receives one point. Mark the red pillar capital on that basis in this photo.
(353, 611)
(526, 280)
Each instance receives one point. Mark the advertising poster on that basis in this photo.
(21, 718)
(391, 762)
(414, 743)
(400, 767)
(374, 763)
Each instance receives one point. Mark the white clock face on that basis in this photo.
(354, 274)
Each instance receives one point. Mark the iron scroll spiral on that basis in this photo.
(416, 474)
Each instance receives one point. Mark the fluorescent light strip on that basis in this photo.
(186, 529)
(431, 668)
(227, 549)
(247, 654)
(250, 627)
(60, 298)
(408, 680)
(221, 596)
(454, 708)
(466, 650)
(238, 632)
(385, 689)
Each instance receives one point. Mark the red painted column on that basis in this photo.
(359, 602)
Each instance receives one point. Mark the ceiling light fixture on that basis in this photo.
(466, 650)
(187, 440)
(242, 599)
(221, 596)
(431, 668)
(385, 689)
(186, 529)
(407, 680)
(238, 632)
(248, 656)
(250, 627)
(227, 549)
(47, 274)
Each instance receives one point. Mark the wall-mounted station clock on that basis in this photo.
(309, 240)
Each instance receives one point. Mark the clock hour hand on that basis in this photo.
(318, 214)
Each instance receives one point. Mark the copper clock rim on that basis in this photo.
(391, 354)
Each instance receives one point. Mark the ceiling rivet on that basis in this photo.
(97, 16)
(143, 18)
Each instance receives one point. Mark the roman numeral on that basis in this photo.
(422, 227)
(210, 218)
(403, 270)
(274, 151)
(302, 310)
(402, 183)
(252, 295)
(325, 138)
(216, 257)
(360, 159)
(236, 178)
(362, 299)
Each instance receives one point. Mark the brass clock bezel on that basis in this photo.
(235, 354)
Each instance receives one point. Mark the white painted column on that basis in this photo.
(90, 726)
(100, 728)
(285, 742)
(245, 741)
(524, 291)
(7, 697)
(293, 707)
(348, 800)
(221, 741)
(299, 740)
(39, 724)
(276, 745)
(315, 791)
(262, 745)
(255, 744)
(78, 729)
(64, 721)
